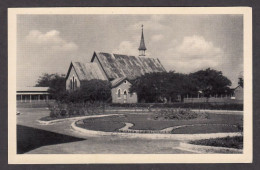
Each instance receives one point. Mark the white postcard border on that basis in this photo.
(246, 157)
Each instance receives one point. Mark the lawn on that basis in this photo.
(214, 123)
(229, 142)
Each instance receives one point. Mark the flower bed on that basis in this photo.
(179, 114)
(229, 142)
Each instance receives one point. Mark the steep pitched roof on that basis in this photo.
(117, 65)
(86, 71)
(117, 81)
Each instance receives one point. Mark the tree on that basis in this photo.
(149, 87)
(95, 90)
(241, 81)
(211, 82)
(90, 91)
(180, 85)
(55, 82)
(155, 87)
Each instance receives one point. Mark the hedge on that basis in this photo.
(210, 106)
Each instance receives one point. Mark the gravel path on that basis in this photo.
(89, 144)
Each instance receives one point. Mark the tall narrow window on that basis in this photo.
(118, 93)
(76, 86)
(70, 84)
(73, 81)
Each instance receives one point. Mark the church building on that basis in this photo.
(118, 69)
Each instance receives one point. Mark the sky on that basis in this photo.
(183, 43)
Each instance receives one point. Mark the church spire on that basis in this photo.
(142, 47)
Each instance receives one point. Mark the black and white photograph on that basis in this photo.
(130, 85)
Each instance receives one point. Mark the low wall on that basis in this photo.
(212, 100)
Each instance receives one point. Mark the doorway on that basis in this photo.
(125, 96)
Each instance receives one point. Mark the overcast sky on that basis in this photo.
(184, 43)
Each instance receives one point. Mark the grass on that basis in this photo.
(106, 124)
(146, 122)
(229, 142)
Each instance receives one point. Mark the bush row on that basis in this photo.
(210, 106)
(61, 110)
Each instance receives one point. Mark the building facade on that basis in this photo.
(32, 94)
(79, 72)
(120, 91)
(239, 93)
(118, 69)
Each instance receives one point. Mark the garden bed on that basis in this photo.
(229, 142)
(215, 123)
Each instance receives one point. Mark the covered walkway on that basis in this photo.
(32, 94)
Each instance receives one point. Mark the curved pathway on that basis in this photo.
(178, 137)
(168, 130)
(92, 144)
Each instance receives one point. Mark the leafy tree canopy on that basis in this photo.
(241, 81)
(154, 87)
(96, 90)
(211, 82)
(55, 82)
(90, 91)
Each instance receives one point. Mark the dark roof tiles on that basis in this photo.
(88, 71)
(116, 65)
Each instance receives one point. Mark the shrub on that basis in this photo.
(62, 109)
(180, 114)
(230, 142)
(53, 114)
(54, 110)
(63, 112)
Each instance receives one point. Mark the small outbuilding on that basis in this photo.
(239, 93)
(120, 91)
(29, 94)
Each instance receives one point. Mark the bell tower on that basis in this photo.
(142, 47)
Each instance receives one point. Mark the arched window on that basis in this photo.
(118, 93)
